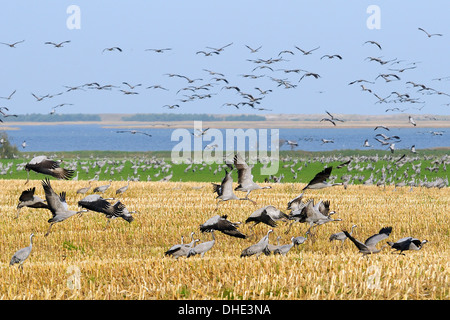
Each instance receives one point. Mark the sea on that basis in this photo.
(77, 137)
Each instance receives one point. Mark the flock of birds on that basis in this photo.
(310, 213)
(57, 205)
(277, 71)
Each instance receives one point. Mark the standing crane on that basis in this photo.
(284, 249)
(300, 240)
(103, 188)
(21, 255)
(123, 189)
(340, 236)
(85, 189)
(257, 248)
(203, 247)
(182, 249)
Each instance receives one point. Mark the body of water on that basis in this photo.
(53, 138)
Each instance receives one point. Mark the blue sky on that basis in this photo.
(337, 27)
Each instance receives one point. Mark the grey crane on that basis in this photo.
(28, 199)
(57, 45)
(245, 177)
(284, 249)
(225, 190)
(203, 247)
(312, 214)
(316, 215)
(22, 254)
(272, 247)
(296, 206)
(123, 189)
(268, 215)
(112, 49)
(96, 203)
(44, 165)
(340, 236)
(257, 248)
(12, 45)
(84, 189)
(408, 243)
(125, 214)
(102, 188)
(133, 132)
(220, 223)
(182, 249)
(300, 239)
(296, 203)
(430, 34)
(57, 205)
(319, 180)
(369, 246)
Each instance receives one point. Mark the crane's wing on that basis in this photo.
(343, 164)
(275, 214)
(295, 203)
(217, 188)
(267, 219)
(358, 244)
(244, 171)
(62, 198)
(27, 194)
(94, 203)
(320, 177)
(309, 210)
(383, 234)
(324, 207)
(53, 200)
(227, 183)
(234, 233)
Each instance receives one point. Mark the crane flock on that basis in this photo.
(311, 212)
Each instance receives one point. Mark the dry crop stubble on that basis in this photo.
(126, 260)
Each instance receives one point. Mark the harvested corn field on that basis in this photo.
(81, 259)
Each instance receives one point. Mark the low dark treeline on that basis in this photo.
(38, 117)
(191, 117)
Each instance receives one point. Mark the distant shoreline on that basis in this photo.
(273, 121)
(232, 124)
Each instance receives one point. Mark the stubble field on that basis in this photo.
(80, 259)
